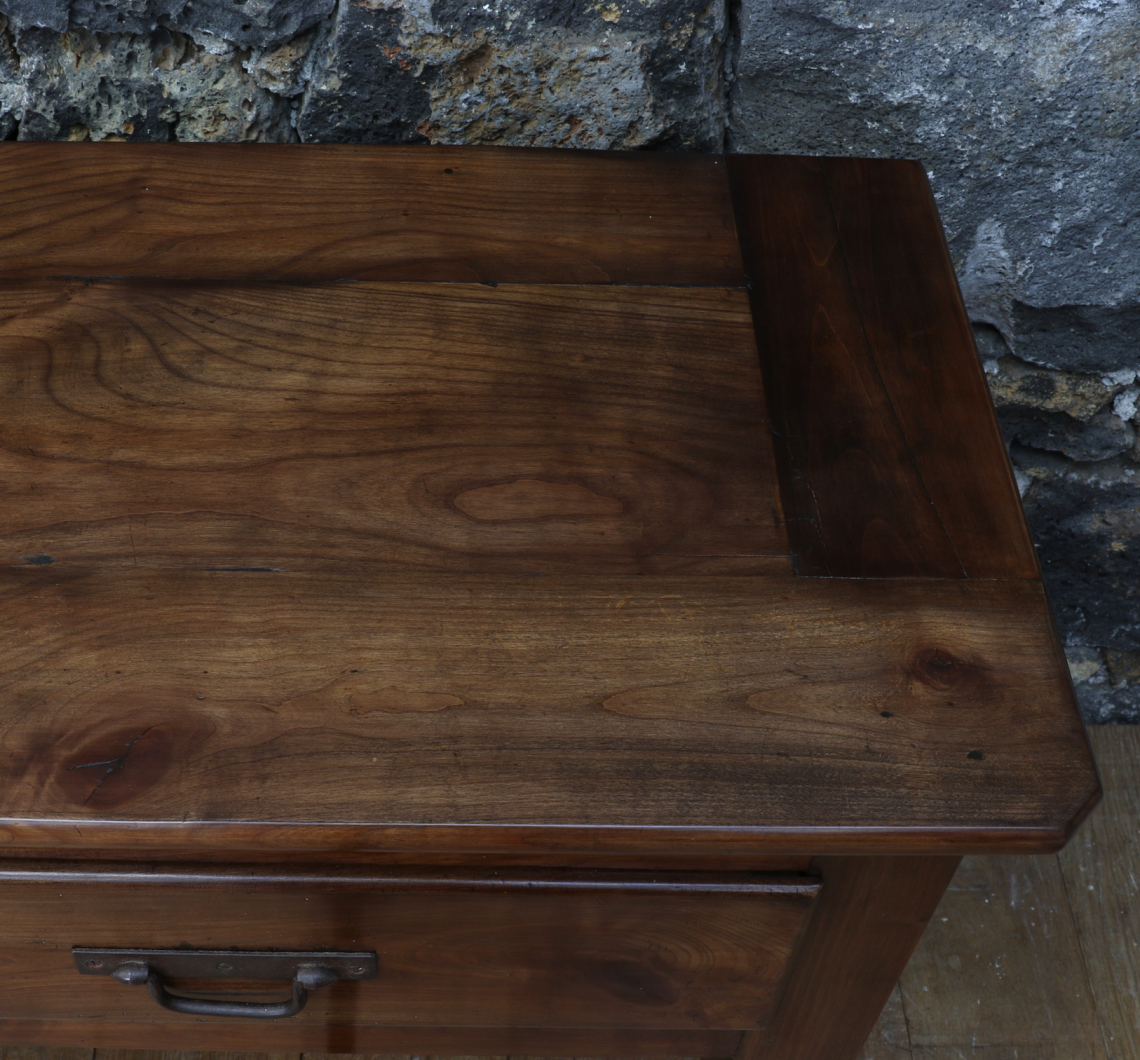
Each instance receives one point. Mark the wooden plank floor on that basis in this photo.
(1026, 959)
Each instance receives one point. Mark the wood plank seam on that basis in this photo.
(1108, 1051)
(906, 1021)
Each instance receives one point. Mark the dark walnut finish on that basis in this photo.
(284, 212)
(601, 952)
(593, 582)
(892, 458)
(453, 428)
(159, 708)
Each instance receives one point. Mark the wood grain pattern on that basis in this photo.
(222, 211)
(267, 551)
(918, 332)
(154, 708)
(455, 428)
(1000, 971)
(616, 956)
(1100, 869)
(364, 1038)
(870, 915)
(854, 499)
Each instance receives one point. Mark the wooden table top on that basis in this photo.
(486, 500)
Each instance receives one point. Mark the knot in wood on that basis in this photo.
(939, 669)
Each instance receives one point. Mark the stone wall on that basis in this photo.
(1026, 113)
(1027, 116)
(594, 74)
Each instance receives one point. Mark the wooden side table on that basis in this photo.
(534, 602)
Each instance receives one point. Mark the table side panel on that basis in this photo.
(867, 922)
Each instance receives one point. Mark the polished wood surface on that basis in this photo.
(893, 464)
(855, 501)
(453, 428)
(1020, 955)
(600, 952)
(916, 325)
(254, 711)
(483, 519)
(331, 878)
(317, 862)
(319, 212)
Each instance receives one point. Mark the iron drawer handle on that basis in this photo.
(309, 970)
(308, 977)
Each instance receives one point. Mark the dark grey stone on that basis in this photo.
(1107, 684)
(251, 23)
(78, 82)
(362, 88)
(122, 16)
(48, 14)
(1105, 704)
(11, 90)
(677, 45)
(1083, 338)
(552, 73)
(1085, 521)
(254, 23)
(157, 86)
(1027, 117)
(1102, 436)
(587, 73)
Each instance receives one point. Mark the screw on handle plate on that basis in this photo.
(308, 971)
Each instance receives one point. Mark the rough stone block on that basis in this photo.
(596, 73)
(1027, 117)
(161, 85)
(1087, 417)
(250, 23)
(11, 91)
(1086, 523)
(549, 74)
(362, 89)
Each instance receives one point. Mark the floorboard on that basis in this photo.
(890, 1040)
(1101, 867)
(999, 973)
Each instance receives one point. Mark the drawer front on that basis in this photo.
(540, 955)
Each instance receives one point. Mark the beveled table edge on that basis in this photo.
(286, 837)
